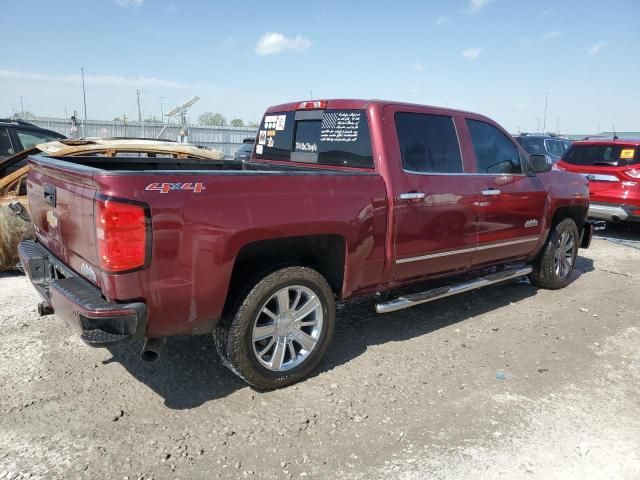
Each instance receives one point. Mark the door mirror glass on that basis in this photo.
(539, 164)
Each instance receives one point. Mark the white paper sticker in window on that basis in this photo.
(259, 149)
(340, 127)
(270, 122)
(280, 121)
(262, 137)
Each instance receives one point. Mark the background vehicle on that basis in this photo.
(19, 135)
(342, 198)
(550, 146)
(612, 166)
(244, 151)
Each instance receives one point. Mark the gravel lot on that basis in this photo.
(410, 395)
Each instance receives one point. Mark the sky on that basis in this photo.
(495, 57)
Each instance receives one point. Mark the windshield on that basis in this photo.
(615, 155)
(532, 145)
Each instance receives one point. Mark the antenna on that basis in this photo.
(181, 112)
(615, 136)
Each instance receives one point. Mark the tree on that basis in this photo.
(210, 118)
(237, 122)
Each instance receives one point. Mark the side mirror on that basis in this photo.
(538, 164)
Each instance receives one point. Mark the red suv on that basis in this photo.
(612, 166)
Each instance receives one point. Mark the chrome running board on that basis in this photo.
(407, 301)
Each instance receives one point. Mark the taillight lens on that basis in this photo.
(633, 173)
(121, 234)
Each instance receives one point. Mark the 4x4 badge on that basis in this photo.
(531, 223)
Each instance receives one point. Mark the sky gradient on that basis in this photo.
(496, 57)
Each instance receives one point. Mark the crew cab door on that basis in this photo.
(435, 202)
(512, 204)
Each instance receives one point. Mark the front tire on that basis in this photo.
(277, 330)
(553, 267)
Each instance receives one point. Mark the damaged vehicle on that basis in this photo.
(15, 220)
(341, 199)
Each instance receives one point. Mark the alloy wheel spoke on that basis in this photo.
(292, 351)
(304, 339)
(262, 352)
(307, 308)
(296, 300)
(264, 331)
(309, 323)
(569, 245)
(269, 314)
(278, 354)
(282, 298)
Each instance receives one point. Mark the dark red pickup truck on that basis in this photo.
(341, 198)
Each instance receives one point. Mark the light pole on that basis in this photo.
(84, 100)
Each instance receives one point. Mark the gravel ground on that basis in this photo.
(410, 395)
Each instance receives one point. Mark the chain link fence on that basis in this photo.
(226, 139)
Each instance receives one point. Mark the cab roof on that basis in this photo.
(356, 104)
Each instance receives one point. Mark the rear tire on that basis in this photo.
(553, 267)
(276, 331)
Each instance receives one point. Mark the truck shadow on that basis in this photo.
(189, 372)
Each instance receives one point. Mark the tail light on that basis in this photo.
(633, 173)
(313, 105)
(121, 234)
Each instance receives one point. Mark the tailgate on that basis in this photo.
(62, 208)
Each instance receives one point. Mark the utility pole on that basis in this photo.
(538, 129)
(557, 126)
(139, 112)
(161, 110)
(310, 94)
(544, 122)
(21, 106)
(84, 100)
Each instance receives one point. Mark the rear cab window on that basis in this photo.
(602, 155)
(323, 137)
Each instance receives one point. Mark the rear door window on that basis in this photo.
(603, 155)
(555, 147)
(327, 137)
(495, 153)
(428, 143)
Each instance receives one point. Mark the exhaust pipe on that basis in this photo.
(44, 309)
(152, 348)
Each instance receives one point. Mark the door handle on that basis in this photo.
(491, 191)
(412, 196)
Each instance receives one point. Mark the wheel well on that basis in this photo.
(324, 253)
(575, 212)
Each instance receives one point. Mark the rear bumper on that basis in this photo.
(79, 303)
(612, 212)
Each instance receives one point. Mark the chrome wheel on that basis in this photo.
(564, 255)
(287, 328)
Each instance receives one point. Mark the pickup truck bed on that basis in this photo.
(340, 199)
